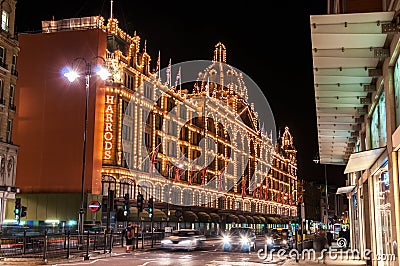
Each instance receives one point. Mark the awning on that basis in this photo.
(143, 216)
(256, 219)
(173, 218)
(159, 215)
(344, 52)
(204, 217)
(343, 190)
(231, 218)
(250, 219)
(215, 218)
(262, 219)
(189, 216)
(363, 160)
(271, 220)
(242, 219)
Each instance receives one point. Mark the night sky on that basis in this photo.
(271, 44)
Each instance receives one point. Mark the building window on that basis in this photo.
(5, 17)
(126, 186)
(2, 101)
(14, 65)
(148, 91)
(127, 108)
(126, 159)
(126, 132)
(107, 184)
(378, 124)
(12, 92)
(2, 57)
(9, 130)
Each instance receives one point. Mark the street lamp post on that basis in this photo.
(317, 160)
(71, 74)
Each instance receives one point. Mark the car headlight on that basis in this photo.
(284, 242)
(244, 240)
(166, 241)
(226, 240)
(269, 241)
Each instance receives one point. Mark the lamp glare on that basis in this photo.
(71, 75)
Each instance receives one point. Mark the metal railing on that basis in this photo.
(58, 245)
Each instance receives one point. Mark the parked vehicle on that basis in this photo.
(243, 238)
(185, 239)
(279, 238)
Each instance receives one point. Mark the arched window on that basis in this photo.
(176, 195)
(187, 197)
(126, 186)
(107, 183)
(157, 193)
(209, 201)
(166, 194)
(203, 199)
(145, 188)
(196, 198)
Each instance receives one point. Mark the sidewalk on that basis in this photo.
(335, 259)
(98, 254)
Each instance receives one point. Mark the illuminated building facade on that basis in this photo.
(199, 151)
(9, 49)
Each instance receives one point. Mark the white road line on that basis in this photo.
(80, 263)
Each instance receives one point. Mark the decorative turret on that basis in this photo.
(220, 53)
(287, 146)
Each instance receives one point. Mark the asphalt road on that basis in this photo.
(193, 258)
(211, 254)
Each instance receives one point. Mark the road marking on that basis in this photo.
(80, 263)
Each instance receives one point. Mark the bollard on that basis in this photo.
(122, 239)
(105, 241)
(68, 244)
(86, 257)
(137, 237)
(95, 241)
(45, 247)
(24, 244)
(65, 239)
(111, 240)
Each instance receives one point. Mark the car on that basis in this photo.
(183, 239)
(279, 239)
(242, 238)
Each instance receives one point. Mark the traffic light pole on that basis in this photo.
(151, 212)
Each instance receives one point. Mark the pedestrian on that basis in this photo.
(329, 236)
(324, 245)
(129, 233)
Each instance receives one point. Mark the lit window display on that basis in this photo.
(378, 124)
(383, 215)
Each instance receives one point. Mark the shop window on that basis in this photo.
(107, 183)
(378, 124)
(5, 20)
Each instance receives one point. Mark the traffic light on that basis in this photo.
(139, 201)
(23, 211)
(17, 209)
(125, 207)
(150, 208)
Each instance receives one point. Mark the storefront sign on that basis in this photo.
(109, 130)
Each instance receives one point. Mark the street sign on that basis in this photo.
(94, 206)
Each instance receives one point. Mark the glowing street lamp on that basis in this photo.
(72, 74)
